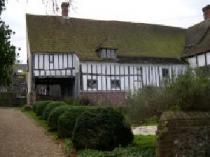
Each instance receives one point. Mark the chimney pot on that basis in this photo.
(65, 8)
(206, 12)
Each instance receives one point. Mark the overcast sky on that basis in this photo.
(179, 13)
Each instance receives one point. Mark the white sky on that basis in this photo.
(180, 13)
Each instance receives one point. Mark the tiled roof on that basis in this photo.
(83, 36)
(198, 39)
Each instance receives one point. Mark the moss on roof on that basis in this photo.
(198, 39)
(83, 36)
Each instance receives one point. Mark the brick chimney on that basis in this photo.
(65, 9)
(206, 12)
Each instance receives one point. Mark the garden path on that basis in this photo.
(20, 136)
(145, 130)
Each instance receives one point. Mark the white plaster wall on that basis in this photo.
(150, 75)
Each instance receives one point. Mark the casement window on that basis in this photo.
(165, 73)
(51, 58)
(115, 84)
(91, 84)
(106, 53)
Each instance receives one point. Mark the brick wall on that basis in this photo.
(108, 97)
(183, 135)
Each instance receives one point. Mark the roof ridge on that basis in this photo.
(117, 21)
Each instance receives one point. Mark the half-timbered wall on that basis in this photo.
(131, 77)
(199, 60)
(55, 64)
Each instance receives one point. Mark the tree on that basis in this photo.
(7, 50)
(2, 5)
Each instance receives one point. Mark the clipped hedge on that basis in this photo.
(67, 120)
(50, 107)
(10, 99)
(55, 114)
(101, 129)
(39, 106)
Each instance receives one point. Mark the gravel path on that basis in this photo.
(145, 130)
(20, 136)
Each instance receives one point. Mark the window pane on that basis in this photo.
(51, 58)
(165, 72)
(113, 55)
(92, 84)
(115, 84)
(103, 53)
(108, 53)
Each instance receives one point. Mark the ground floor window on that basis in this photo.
(92, 84)
(115, 84)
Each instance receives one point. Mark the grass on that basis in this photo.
(144, 141)
(129, 151)
(143, 146)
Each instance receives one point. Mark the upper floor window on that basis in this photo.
(51, 58)
(139, 74)
(165, 73)
(107, 53)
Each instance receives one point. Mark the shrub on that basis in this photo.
(147, 103)
(50, 107)
(39, 106)
(54, 115)
(189, 92)
(70, 101)
(82, 101)
(26, 108)
(67, 120)
(101, 129)
(8, 99)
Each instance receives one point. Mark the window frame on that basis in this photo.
(106, 53)
(115, 84)
(165, 73)
(94, 81)
(51, 58)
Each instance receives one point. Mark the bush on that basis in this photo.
(26, 108)
(50, 107)
(82, 101)
(67, 120)
(147, 103)
(8, 99)
(189, 92)
(55, 114)
(101, 129)
(39, 106)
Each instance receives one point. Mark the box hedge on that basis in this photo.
(101, 129)
(55, 114)
(67, 120)
(50, 107)
(39, 106)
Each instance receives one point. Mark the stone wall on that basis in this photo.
(108, 97)
(183, 135)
